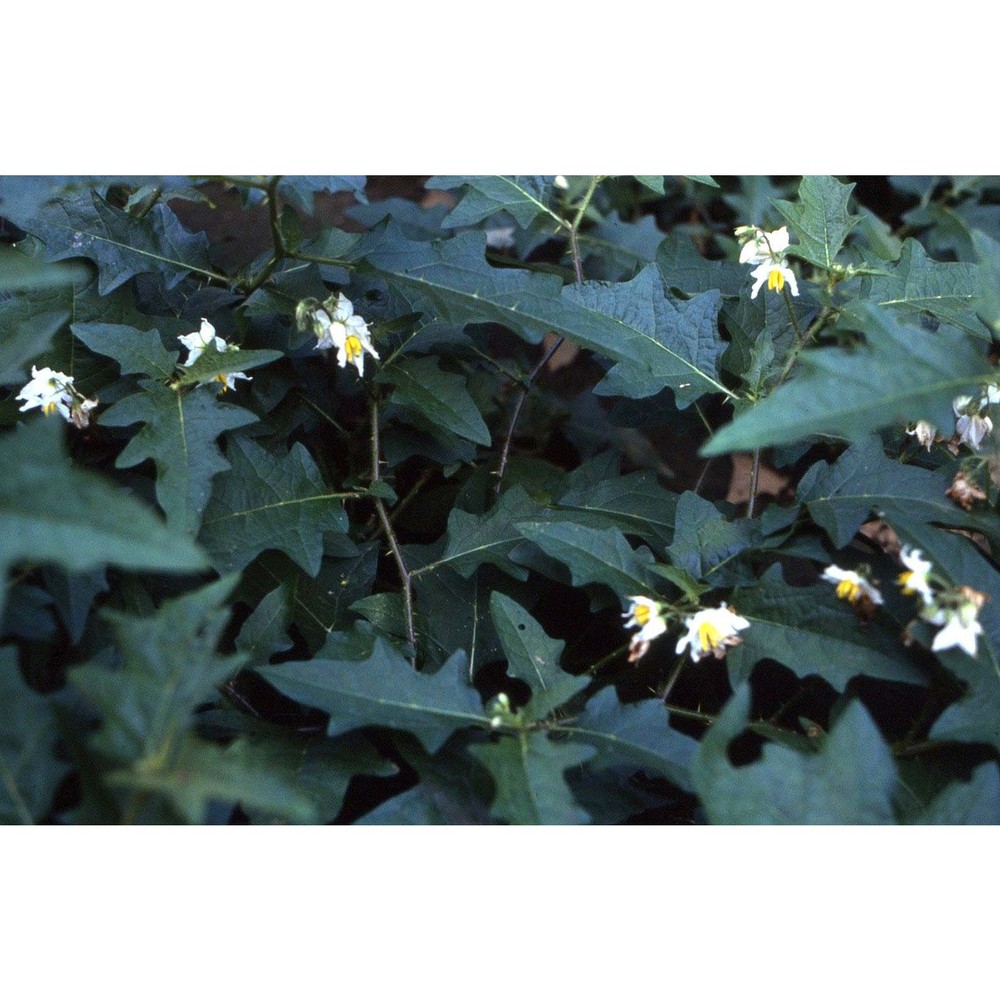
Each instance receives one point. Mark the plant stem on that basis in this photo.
(791, 313)
(397, 552)
(804, 339)
(754, 475)
(609, 658)
(277, 237)
(574, 249)
(672, 679)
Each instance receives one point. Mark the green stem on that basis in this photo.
(754, 476)
(277, 237)
(672, 679)
(791, 312)
(610, 658)
(397, 552)
(574, 249)
(803, 340)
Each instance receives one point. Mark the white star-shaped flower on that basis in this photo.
(851, 586)
(961, 629)
(49, 390)
(914, 579)
(775, 273)
(711, 631)
(197, 342)
(646, 615)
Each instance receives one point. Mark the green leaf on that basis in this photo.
(635, 504)
(23, 340)
(916, 284)
(902, 373)
(136, 351)
(29, 770)
(270, 501)
(170, 668)
(683, 268)
(820, 219)
(213, 363)
(667, 341)
(475, 539)
(639, 735)
(121, 245)
(439, 397)
(533, 657)
(384, 690)
(301, 190)
(456, 281)
(811, 632)
(851, 779)
(523, 198)
(528, 770)
(702, 179)
(201, 773)
(595, 556)
(615, 250)
(705, 540)
(51, 512)
(179, 436)
(967, 803)
(265, 632)
(863, 481)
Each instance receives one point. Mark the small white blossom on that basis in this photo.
(710, 631)
(991, 396)
(971, 425)
(961, 629)
(197, 342)
(914, 579)
(48, 390)
(925, 433)
(54, 392)
(761, 246)
(501, 238)
(560, 182)
(343, 329)
(851, 586)
(647, 616)
(775, 273)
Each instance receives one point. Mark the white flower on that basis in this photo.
(971, 426)
(914, 579)
(647, 616)
(501, 238)
(761, 246)
(49, 390)
(355, 342)
(710, 631)
(851, 586)
(199, 340)
(343, 329)
(991, 396)
(925, 433)
(560, 182)
(775, 273)
(960, 629)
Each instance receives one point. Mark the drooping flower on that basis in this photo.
(971, 424)
(913, 579)
(925, 432)
(852, 586)
(352, 349)
(964, 491)
(766, 251)
(197, 342)
(958, 611)
(646, 615)
(54, 392)
(711, 631)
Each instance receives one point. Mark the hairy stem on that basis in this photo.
(574, 249)
(390, 534)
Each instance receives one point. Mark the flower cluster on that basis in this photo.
(710, 631)
(954, 608)
(972, 420)
(54, 392)
(335, 324)
(198, 342)
(766, 251)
